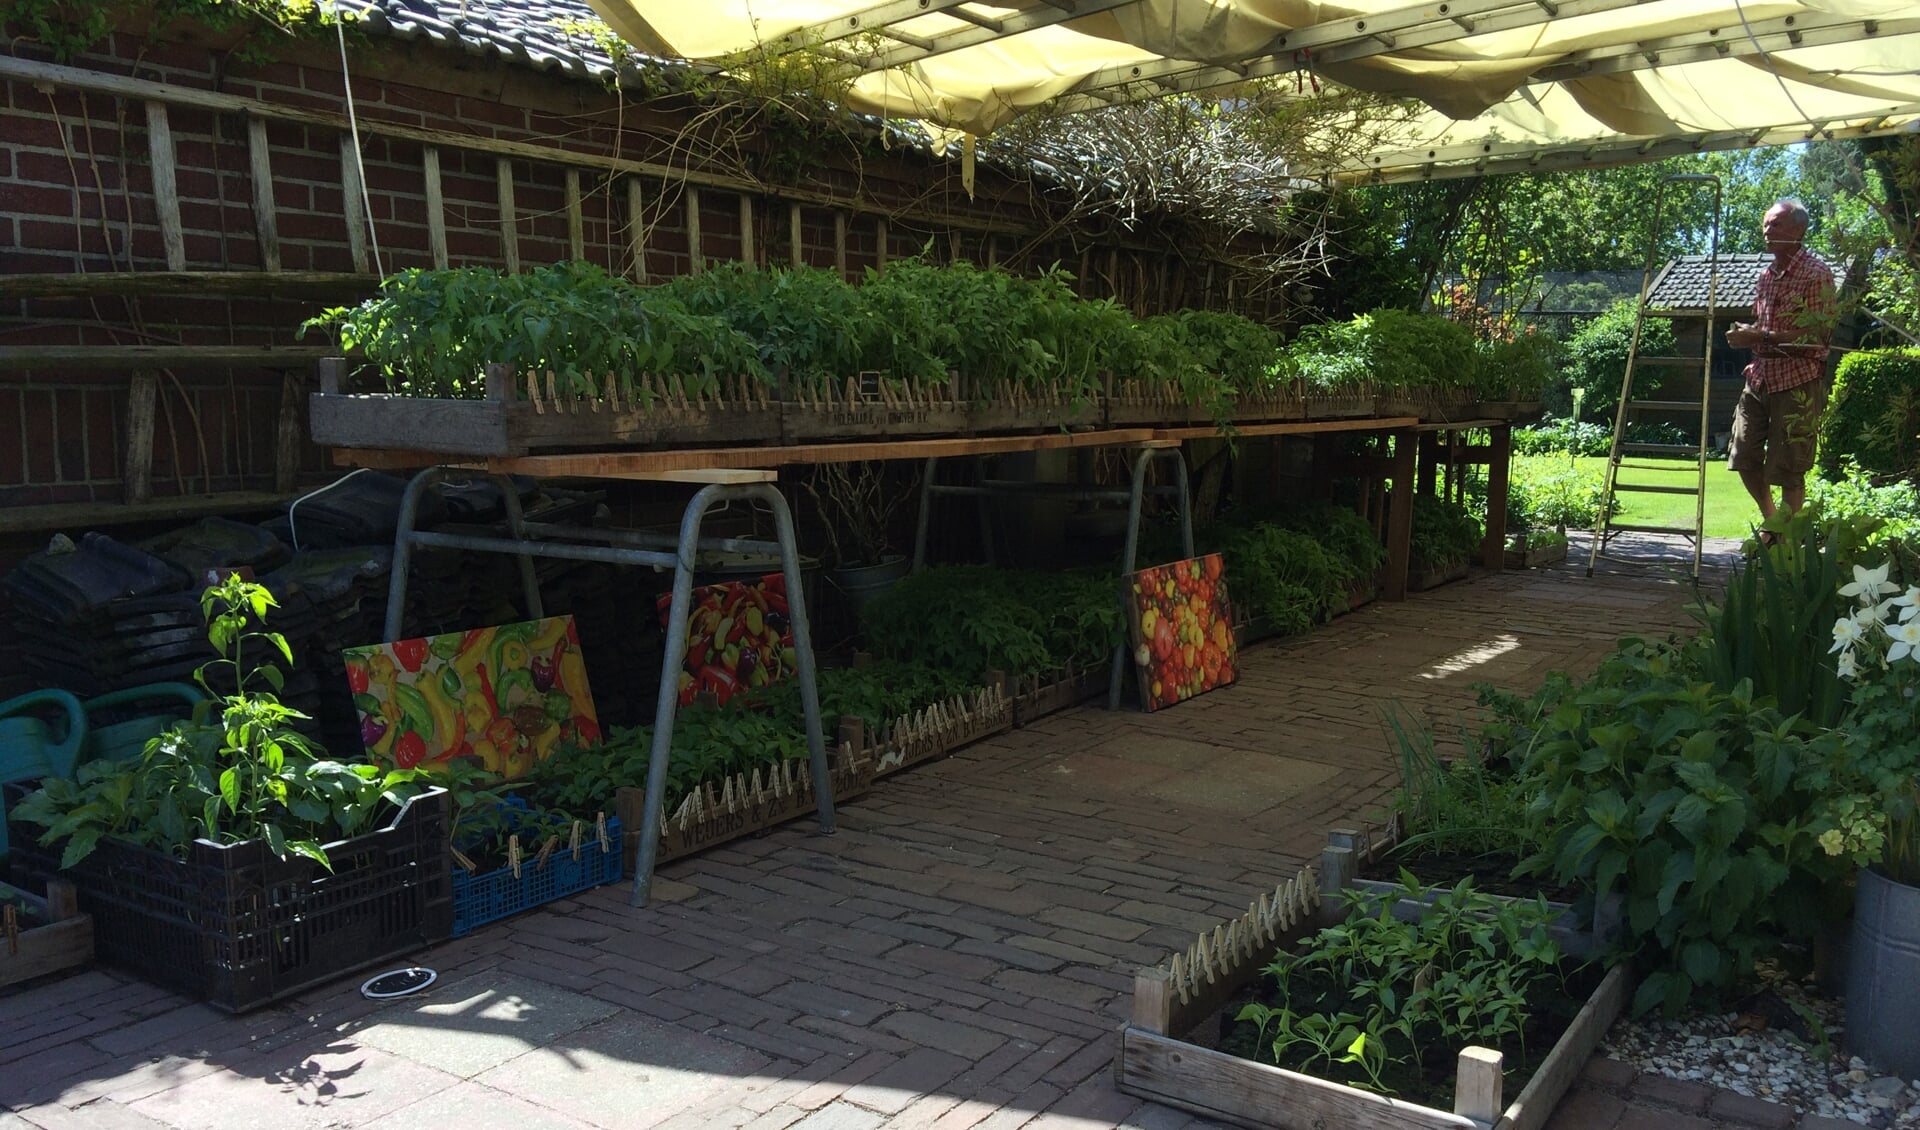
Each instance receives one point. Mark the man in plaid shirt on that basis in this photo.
(1777, 422)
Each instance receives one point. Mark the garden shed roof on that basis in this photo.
(1512, 84)
(1682, 284)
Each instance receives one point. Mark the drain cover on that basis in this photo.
(398, 983)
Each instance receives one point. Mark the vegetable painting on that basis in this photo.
(738, 638)
(1181, 627)
(503, 696)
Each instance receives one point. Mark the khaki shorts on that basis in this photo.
(1777, 431)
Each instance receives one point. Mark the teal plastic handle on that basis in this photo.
(187, 694)
(65, 751)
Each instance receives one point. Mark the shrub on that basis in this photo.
(1546, 492)
(1853, 497)
(1564, 437)
(1389, 348)
(1444, 534)
(1595, 357)
(1874, 414)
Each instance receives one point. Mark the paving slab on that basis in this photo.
(480, 1022)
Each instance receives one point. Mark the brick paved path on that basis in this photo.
(958, 955)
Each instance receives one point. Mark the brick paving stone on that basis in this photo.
(1824, 1122)
(840, 1116)
(946, 1035)
(833, 1085)
(969, 967)
(1746, 1110)
(811, 999)
(1680, 1094)
(914, 1074)
(100, 1114)
(1586, 1110)
(1087, 922)
(1052, 988)
(1612, 1074)
(1643, 1118)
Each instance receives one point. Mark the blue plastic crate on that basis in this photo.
(492, 895)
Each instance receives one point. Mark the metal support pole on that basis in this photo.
(517, 526)
(926, 512)
(403, 549)
(1128, 557)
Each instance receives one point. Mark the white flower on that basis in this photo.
(1849, 668)
(1908, 602)
(1906, 641)
(1867, 615)
(1846, 632)
(1869, 584)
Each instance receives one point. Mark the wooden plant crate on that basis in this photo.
(1434, 578)
(1522, 555)
(1274, 406)
(63, 941)
(504, 423)
(737, 806)
(867, 406)
(1340, 406)
(1036, 696)
(1170, 1000)
(1130, 403)
(1008, 408)
(941, 728)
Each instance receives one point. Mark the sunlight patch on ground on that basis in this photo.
(1472, 657)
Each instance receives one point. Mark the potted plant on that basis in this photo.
(232, 859)
(857, 506)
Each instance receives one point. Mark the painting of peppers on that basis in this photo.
(1180, 624)
(503, 696)
(738, 638)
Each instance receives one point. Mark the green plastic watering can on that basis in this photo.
(119, 741)
(30, 744)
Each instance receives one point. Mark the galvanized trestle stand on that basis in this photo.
(1138, 490)
(632, 547)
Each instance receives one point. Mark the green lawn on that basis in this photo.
(1731, 513)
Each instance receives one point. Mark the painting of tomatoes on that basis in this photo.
(1180, 625)
(503, 696)
(738, 638)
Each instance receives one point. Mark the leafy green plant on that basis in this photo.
(1465, 808)
(1855, 497)
(1445, 535)
(236, 771)
(971, 619)
(1873, 416)
(1545, 493)
(1517, 368)
(1387, 348)
(1594, 359)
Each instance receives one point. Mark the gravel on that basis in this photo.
(1724, 1050)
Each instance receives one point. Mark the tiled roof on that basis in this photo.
(546, 35)
(1683, 284)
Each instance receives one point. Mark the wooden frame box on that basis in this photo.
(62, 942)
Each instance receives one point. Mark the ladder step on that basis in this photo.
(1670, 361)
(1619, 486)
(1618, 528)
(1660, 449)
(1666, 405)
(1672, 467)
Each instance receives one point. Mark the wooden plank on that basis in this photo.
(728, 475)
(1569, 1056)
(1153, 1001)
(840, 243)
(1400, 520)
(137, 475)
(695, 262)
(166, 194)
(747, 255)
(289, 439)
(880, 244)
(576, 219)
(795, 254)
(83, 515)
(353, 206)
(14, 357)
(509, 226)
(1217, 1085)
(608, 464)
(993, 250)
(1477, 1083)
(1293, 428)
(48, 949)
(1493, 550)
(137, 284)
(260, 169)
(1461, 425)
(637, 229)
(436, 207)
(447, 427)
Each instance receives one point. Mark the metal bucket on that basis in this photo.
(1883, 975)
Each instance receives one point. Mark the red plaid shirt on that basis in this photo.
(1797, 303)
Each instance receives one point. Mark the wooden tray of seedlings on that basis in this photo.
(1347, 404)
(1036, 696)
(1171, 1000)
(941, 728)
(42, 935)
(737, 806)
(867, 406)
(1434, 578)
(648, 411)
(1532, 549)
(1135, 403)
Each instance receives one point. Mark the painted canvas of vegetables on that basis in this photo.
(1180, 624)
(738, 638)
(503, 696)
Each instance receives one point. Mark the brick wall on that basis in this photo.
(76, 195)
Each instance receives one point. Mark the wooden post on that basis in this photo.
(1336, 873)
(746, 231)
(880, 231)
(1400, 519)
(1153, 1001)
(1493, 552)
(353, 208)
(694, 265)
(840, 244)
(436, 207)
(576, 221)
(333, 374)
(288, 440)
(63, 900)
(993, 251)
(636, 229)
(260, 165)
(138, 473)
(166, 195)
(1113, 273)
(1429, 462)
(1477, 1085)
(795, 250)
(509, 235)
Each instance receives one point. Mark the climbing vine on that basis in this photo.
(67, 29)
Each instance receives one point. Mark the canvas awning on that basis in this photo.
(1541, 84)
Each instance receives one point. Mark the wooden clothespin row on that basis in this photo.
(460, 857)
(601, 830)
(574, 846)
(12, 927)
(546, 850)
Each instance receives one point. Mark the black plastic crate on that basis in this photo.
(240, 928)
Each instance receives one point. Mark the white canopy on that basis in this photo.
(1540, 84)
